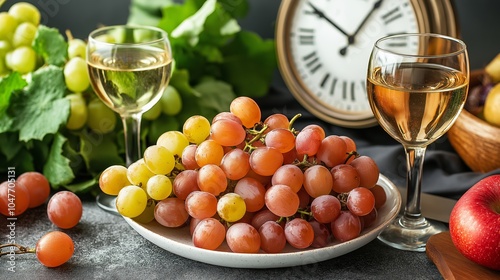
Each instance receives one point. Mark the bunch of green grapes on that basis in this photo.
(257, 185)
(18, 27)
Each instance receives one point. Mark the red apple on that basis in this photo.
(475, 223)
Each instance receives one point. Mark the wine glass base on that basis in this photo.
(107, 203)
(407, 238)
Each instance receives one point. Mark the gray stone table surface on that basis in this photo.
(106, 247)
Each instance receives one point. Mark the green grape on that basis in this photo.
(5, 47)
(8, 25)
(174, 141)
(159, 159)
(148, 215)
(21, 59)
(196, 128)
(138, 173)
(231, 207)
(101, 119)
(78, 111)
(170, 101)
(153, 113)
(25, 12)
(159, 187)
(24, 34)
(131, 201)
(76, 75)
(77, 48)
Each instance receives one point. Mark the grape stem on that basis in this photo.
(351, 154)
(292, 121)
(258, 135)
(20, 249)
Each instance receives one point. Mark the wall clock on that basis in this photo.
(323, 47)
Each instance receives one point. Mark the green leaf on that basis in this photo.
(82, 187)
(180, 80)
(50, 45)
(162, 124)
(249, 64)
(216, 96)
(8, 85)
(173, 15)
(57, 169)
(10, 145)
(41, 109)
(99, 151)
(193, 26)
(124, 82)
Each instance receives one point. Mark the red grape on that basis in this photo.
(38, 187)
(299, 233)
(246, 109)
(332, 151)
(272, 237)
(325, 208)
(54, 249)
(346, 227)
(171, 212)
(289, 175)
(265, 160)
(367, 170)
(318, 180)
(14, 198)
(360, 201)
(282, 200)
(65, 209)
(243, 238)
(252, 192)
(209, 234)
(345, 178)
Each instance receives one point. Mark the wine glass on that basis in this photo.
(129, 68)
(417, 86)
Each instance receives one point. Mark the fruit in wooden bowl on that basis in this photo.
(475, 140)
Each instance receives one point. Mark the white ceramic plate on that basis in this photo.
(178, 241)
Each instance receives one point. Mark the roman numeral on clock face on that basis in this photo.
(306, 36)
(392, 15)
(312, 62)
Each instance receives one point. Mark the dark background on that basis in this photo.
(478, 20)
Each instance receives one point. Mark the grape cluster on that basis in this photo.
(257, 185)
(64, 209)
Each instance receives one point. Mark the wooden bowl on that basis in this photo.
(476, 141)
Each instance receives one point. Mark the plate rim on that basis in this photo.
(266, 260)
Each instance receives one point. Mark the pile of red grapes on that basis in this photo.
(257, 185)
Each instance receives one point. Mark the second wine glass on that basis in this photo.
(417, 86)
(129, 68)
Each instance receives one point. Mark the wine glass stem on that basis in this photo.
(412, 217)
(132, 133)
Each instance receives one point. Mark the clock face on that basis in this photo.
(329, 46)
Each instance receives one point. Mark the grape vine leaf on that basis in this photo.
(259, 60)
(41, 108)
(50, 45)
(9, 84)
(57, 169)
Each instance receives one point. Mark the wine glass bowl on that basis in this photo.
(417, 86)
(129, 68)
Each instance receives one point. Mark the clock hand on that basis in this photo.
(351, 38)
(320, 14)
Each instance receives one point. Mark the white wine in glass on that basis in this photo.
(129, 68)
(416, 93)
